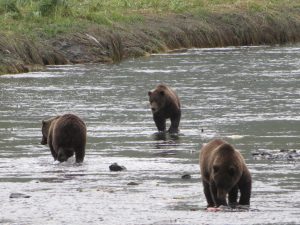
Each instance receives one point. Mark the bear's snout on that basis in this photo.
(221, 193)
(154, 107)
(44, 141)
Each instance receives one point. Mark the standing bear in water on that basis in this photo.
(65, 136)
(165, 104)
(224, 171)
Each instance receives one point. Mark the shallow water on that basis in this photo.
(249, 95)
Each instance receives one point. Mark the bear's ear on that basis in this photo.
(149, 93)
(43, 122)
(162, 93)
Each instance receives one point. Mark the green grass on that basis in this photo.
(52, 17)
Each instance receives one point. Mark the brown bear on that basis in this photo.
(223, 172)
(165, 104)
(65, 136)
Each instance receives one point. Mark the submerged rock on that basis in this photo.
(116, 167)
(186, 176)
(283, 154)
(18, 195)
(132, 183)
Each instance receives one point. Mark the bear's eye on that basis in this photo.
(231, 171)
(216, 169)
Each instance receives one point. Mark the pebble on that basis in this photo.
(19, 195)
(116, 167)
(186, 176)
(132, 183)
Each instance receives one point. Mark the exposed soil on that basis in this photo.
(98, 44)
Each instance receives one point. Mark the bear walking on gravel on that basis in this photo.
(65, 136)
(224, 171)
(165, 104)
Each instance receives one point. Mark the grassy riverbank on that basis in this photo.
(35, 33)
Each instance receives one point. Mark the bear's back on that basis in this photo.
(219, 152)
(170, 93)
(69, 129)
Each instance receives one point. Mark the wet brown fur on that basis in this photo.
(65, 136)
(224, 171)
(165, 104)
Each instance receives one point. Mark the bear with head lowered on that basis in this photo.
(224, 172)
(65, 136)
(165, 104)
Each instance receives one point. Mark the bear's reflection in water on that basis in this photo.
(165, 139)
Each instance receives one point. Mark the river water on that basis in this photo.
(250, 96)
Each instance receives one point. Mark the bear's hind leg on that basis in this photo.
(175, 123)
(64, 153)
(53, 152)
(79, 154)
(174, 126)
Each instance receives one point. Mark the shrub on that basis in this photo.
(54, 8)
(8, 7)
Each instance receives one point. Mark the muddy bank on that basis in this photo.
(98, 44)
(20, 54)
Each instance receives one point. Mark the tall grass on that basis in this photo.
(43, 15)
(54, 8)
(9, 8)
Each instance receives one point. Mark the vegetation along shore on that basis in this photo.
(35, 33)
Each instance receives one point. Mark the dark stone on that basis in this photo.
(186, 176)
(116, 167)
(132, 183)
(19, 195)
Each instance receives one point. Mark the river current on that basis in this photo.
(249, 96)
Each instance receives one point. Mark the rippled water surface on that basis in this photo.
(249, 96)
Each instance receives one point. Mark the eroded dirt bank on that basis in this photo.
(155, 34)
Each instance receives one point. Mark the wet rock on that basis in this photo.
(193, 209)
(116, 167)
(132, 183)
(283, 154)
(186, 176)
(19, 195)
